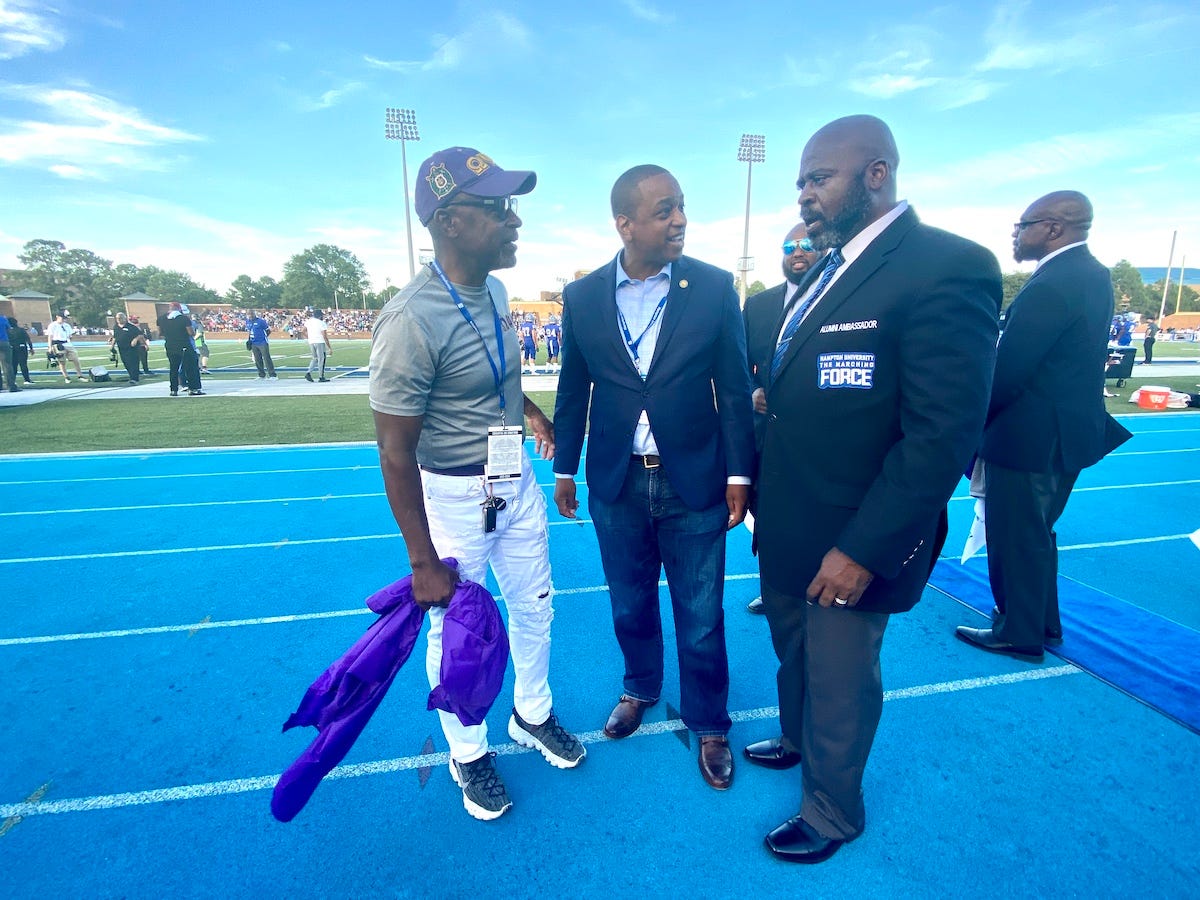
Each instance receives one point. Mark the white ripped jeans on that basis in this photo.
(518, 554)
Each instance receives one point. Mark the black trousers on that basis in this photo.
(21, 360)
(183, 360)
(1148, 349)
(129, 359)
(830, 702)
(1022, 508)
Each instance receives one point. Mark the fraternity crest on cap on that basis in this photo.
(479, 163)
(441, 182)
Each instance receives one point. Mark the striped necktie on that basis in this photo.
(835, 259)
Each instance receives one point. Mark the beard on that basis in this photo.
(847, 223)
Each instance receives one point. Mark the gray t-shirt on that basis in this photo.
(427, 361)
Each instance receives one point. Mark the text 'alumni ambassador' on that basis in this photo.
(655, 339)
(875, 402)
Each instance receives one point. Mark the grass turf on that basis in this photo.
(81, 425)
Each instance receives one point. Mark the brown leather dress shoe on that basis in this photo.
(716, 761)
(626, 717)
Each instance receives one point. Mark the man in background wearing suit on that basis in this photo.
(1046, 420)
(655, 339)
(875, 405)
(761, 314)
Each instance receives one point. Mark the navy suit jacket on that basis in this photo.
(696, 392)
(867, 464)
(761, 316)
(1047, 408)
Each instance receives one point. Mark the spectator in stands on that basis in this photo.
(258, 329)
(59, 345)
(318, 344)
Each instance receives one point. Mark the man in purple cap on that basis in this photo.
(446, 393)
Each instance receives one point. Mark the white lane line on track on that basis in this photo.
(1151, 452)
(1110, 487)
(197, 505)
(105, 479)
(377, 494)
(203, 503)
(307, 542)
(404, 763)
(265, 620)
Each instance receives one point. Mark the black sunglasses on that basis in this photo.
(499, 207)
(1023, 224)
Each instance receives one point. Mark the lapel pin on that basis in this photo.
(683, 283)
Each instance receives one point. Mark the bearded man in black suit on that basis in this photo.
(874, 398)
(1046, 420)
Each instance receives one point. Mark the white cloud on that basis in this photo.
(1094, 37)
(70, 172)
(888, 86)
(79, 131)
(647, 13)
(479, 44)
(329, 98)
(25, 28)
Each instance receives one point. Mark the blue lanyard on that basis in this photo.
(497, 374)
(629, 341)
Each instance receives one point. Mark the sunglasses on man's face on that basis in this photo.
(790, 247)
(499, 207)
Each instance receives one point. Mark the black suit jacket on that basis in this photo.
(696, 393)
(761, 317)
(876, 410)
(1047, 406)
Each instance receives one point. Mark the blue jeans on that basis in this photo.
(646, 529)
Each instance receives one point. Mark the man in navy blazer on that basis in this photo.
(875, 403)
(761, 316)
(1046, 420)
(655, 341)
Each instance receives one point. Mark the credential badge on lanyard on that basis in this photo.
(504, 442)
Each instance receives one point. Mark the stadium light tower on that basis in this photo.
(401, 125)
(752, 149)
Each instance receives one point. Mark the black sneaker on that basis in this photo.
(174, 393)
(308, 376)
(550, 739)
(195, 393)
(320, 379)
(484, 795)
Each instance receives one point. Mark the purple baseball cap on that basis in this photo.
(458, 170)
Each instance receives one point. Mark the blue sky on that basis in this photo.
(220, 138)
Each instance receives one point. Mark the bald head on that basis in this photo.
(1050, 223)
(847, 178)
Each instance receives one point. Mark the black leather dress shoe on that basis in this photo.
(985, 640)
(797, 841)
(716, 762)
(772, 754)
(1052, 637)
(626, 717)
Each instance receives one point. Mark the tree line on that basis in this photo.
(325, 275)
(322, 276)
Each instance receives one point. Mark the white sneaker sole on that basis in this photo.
(525, 739)
(474, 809)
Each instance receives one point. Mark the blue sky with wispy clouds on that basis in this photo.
(220, 138)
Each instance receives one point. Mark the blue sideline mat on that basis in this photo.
(1152, 659)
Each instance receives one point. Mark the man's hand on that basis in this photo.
(840, 582)
(737, 497)
(760, 401)
(564, 497)
(433, 584)
(543, 430)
